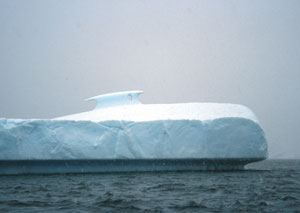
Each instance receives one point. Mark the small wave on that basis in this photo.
(167, 186)
(121, 204)
(285, 198)
(263, 203)
(17, 203)
(192, 205)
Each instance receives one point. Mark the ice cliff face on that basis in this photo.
(136, 131)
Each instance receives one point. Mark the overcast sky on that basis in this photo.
(54, 54)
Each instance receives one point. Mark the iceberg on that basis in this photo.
(122, 134)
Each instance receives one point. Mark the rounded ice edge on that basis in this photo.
(116, 99)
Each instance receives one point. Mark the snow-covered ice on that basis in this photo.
(120, 127)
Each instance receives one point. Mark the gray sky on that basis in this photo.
(54, 54)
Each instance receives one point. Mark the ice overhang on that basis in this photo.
(116, 99)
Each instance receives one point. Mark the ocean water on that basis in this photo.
(268, 186)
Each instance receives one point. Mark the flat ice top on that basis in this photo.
(152, 112)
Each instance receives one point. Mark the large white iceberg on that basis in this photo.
(120, 127)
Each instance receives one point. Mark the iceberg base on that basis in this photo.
(16, 167)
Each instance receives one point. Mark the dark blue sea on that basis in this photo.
(268, 186)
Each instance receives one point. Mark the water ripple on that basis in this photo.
(270, 186)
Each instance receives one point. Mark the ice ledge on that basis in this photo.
(116, 99)
(15, 167)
